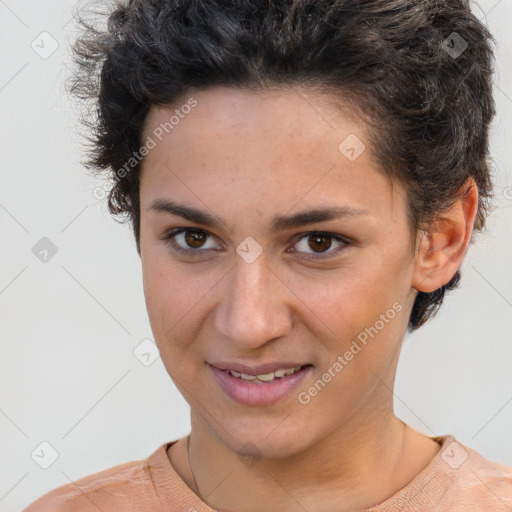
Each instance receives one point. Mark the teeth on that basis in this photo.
(265, 377)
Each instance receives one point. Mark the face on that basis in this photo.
(252, 285)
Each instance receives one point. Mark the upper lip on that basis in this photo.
(260, 369)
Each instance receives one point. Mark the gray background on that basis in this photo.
(68, 374)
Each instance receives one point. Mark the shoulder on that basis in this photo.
(457, 478)
(475, 480)
(118, 488)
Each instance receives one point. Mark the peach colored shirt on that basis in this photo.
(457, 479)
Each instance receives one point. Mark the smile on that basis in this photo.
(261, 389)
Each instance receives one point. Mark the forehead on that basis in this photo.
(224, 114)
(280, 145)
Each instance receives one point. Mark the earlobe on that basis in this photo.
(443, 246)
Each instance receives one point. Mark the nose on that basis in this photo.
(253, 308)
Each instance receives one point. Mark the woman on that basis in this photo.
(303, 180)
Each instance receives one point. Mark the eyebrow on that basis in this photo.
(279, 222)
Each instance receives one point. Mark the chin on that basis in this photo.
(266, 439)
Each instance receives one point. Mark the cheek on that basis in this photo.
(173, 304)
(175, 299)
(360, 316)
(166, 293)
(355, 297)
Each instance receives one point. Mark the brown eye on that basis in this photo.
(194, 239)
(189, 241)
(319, 242)
(316, 245)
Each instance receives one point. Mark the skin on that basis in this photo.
(248, 156)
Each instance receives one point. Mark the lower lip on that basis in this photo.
(249, 392)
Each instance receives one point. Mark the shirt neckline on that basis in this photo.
(426, 488)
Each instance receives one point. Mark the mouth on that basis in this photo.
(257, 387)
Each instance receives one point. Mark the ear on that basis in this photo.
(444, 244)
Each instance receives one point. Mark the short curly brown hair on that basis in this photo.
(421, 72)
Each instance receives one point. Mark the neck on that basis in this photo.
(354, 467)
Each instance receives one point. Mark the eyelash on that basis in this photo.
(171, 235)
